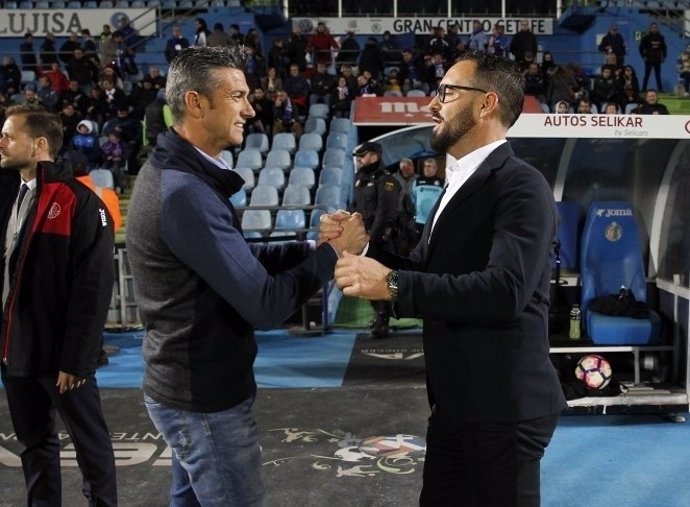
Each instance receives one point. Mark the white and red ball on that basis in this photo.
(594, 371)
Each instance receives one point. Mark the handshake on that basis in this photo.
(344, 232)
(355, 275)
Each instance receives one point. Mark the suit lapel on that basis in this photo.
(475, 182)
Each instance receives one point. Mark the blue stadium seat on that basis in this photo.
(290, 219)
(239, 199)
(122, 4)
(278, 158)
(314, 218)
(307, 158)
(42, 5)
(11, 5)
(337, 140)
(315, 125)
(328, 196)
(318, 111)
(251, 159)
(311, 142)
(264, 195)
(74, 4)
(256, 220)
(284, 141)
(341, 125)
(331, 176)
(416, 93)
(296, 195)
(25, 5)
(248, 176)
(226, 155)
(28, 77)
(103, 178)
(302, 176)
(272, 176)
(257, 141)
(334, 157)
(611, 257)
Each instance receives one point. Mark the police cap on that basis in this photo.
(366, 147)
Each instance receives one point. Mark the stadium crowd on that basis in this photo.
(96, 85)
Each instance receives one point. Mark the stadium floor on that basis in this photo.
(342, 422)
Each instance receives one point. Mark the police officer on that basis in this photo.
(406, 234)
(376, 197)
(428, 187)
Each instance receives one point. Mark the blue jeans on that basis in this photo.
(216, 460)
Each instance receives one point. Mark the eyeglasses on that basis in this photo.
(443, 90)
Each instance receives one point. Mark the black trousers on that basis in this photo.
(648, 67)
(33, 403)
(485, 465)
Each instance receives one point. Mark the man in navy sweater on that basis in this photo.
(202, 290)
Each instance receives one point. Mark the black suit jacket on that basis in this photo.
(481, 285)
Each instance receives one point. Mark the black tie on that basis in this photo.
(22, 192)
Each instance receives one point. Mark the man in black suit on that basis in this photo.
(479, 279)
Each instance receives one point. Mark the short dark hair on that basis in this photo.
(193, 69)
(40, 123)
(501, 76)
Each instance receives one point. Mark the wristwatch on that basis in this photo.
(392, 281)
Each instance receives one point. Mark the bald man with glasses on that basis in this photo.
(479, 278)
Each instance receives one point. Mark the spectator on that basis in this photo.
(262, 122)
(113, 154)
(155, 122)
(218, 37)
(85, 141)
(547, 65)
(235, 34)
(297, 88)
(297, 49)
(106, 34)
(89, 46)
(27, 97)
(47, 52)
(59, 81)
(613, 44)
(436, 71)
(72, 94)
(349, 51)
(605, 88)
(271, 83)
(321, 44)
(67, 49)
(110, 74)
(70, 117)
(82, 70)
(201, 33)
(367, 86)
(391, 82)
(412, 74)
(46, 95)
(523, 41)
(584, 106)
(157, 79)
(651, 104)
(94, 107)
(683, 66)
(653, 52)
(628, 78)
(628, 96)
(479, 40)
(278, 56)
(582, 80)
(10, 76)
(534, 82)
(114, 98)
(254, 69)
(438, 43)
(130, 37)
(175, 44)
(28, 54)
(612, 108)
(428, 179)
(343, 99)
(371, 58)
(405, 231)
(562, 107)
(498, 42)
(346, 72)
(561, 87)
(143, 93)
(322, 84)
(390, 51)
(252, 39)
(285, 118)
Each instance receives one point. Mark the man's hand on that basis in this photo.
(353, 237)
(67, 382)
(330, 226)
(362, 277)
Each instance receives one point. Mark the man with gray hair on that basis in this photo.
(202, 289)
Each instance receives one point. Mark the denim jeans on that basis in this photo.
(216, 460)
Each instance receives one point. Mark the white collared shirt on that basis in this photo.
(216, 161)
(458, 172)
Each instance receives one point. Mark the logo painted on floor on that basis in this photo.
(347, 455)
(394, 354)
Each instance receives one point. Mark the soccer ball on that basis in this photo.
(594, 371)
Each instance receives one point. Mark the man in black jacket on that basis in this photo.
(57, 282)
(653, 52)
(479, 278)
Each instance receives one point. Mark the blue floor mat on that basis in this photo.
(283, 360)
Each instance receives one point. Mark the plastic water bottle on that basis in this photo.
(575, 318)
